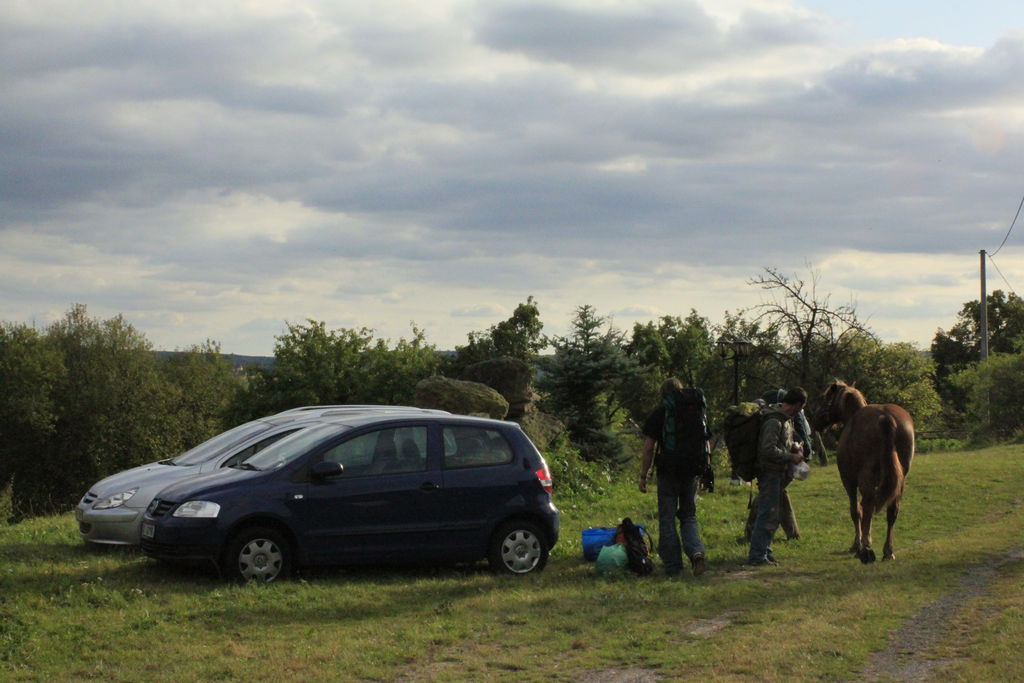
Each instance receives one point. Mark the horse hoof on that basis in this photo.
(890, 556)
(867, 556)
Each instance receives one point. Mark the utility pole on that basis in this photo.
(983, 312)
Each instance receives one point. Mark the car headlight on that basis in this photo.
(197, 508)
(116, 500)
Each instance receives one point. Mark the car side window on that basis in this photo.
(246, 453)
(386, 451)
(474, 447)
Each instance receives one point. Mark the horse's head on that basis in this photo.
(838, 401)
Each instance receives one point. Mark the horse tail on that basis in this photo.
(890, 484)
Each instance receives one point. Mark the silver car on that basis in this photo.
(111, 512)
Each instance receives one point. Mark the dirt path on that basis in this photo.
(906, 657)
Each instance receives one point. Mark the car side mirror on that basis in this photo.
(325, 469)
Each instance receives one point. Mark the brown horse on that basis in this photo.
(875, 450)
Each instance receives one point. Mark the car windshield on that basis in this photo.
(294, 446)
(220, 443)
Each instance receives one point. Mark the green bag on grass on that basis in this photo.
(612, 560)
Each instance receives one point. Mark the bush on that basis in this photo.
(573, 476)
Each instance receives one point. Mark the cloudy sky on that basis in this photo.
(214, 169)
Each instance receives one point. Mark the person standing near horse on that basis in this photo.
(777, 449)
(787, 516)
(676, 442)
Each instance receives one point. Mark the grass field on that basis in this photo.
(69, 613)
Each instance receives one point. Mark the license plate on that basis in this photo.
(147, 530)
(79, 514)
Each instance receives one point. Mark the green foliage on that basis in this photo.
(112, 410)
(672, 347)
(939, 445)
(994, 392)
(517, 337)
(581, 381)
(959, 348)
(390, 374)
(6, 501)
(88, 398)
(894, 373)
(30, 370)
(202, 389)
(575, 479)
(317, 366)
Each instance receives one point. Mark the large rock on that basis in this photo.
(461, 397)
(510, 377)
(541, 428)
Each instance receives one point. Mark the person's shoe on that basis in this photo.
(673, 572)
(699, 565)
(767, 562)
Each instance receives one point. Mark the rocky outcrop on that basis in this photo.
(460, 397)
(541, 428)
(510, 377)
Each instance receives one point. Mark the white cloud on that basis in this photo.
(209, 170)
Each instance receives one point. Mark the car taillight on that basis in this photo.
(544, 477)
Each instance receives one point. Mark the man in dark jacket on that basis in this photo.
(677, 496)
(777, 449)
(801, 432)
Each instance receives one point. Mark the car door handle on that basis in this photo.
(429, 486)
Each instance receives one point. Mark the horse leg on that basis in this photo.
(855, 515)
(867, 554)
(891, 513)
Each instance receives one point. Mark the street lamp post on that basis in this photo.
(739, 347)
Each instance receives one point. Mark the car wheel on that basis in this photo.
(257, 554)
(517, 548)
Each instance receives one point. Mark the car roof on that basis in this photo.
(360, 419)
(314, 413)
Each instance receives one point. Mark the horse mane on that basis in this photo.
(851, 399)
(846, 398)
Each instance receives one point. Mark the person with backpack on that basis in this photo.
(676, 443)
(778, 447)
(801, 431)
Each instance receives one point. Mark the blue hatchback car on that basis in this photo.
(366, 488)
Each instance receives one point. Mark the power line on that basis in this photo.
(1009, 231)
(1001, 273)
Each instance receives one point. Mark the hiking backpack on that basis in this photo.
(638, 549)
(742, 431)
(684, 434)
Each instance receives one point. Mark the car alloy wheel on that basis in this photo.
(518, 548)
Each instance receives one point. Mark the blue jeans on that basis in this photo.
(677, 499)
(769, 502)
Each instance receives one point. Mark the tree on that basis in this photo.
(517, 337)
(672, 347)
(30, 368)
(813, 335)
(960, 347)
(312, 366)
(111, 408)
(203, 388)
(392, 372)
(317, 366)
(994, 395)
(893, 373)
(581, 382)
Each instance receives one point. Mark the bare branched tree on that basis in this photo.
(813, 333)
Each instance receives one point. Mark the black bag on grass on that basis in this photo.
(638, 548)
